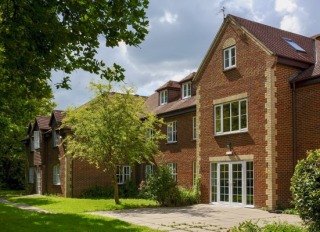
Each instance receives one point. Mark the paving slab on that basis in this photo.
(23, 206)
(201, 217)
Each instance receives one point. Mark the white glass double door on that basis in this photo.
(232, 183)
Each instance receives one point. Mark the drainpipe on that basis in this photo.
(294, 123)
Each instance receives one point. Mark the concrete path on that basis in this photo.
(23, 206)
(200, 217)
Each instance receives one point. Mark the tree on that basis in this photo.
(305, 187)
(112, 130)
(38, 36)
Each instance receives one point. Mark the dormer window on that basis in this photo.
(229, 57)
(186, 90)
(163, 97)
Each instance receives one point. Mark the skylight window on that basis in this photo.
(294, 45)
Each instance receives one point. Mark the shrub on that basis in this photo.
(128, 190)
(249, 226)
(98, 192)
(162, 188)
(305, 187)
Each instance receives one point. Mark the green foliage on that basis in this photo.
(11, 173)
(23, 220)
(128, 190)
(98, 192)
(163, 188)
(58, 204)
(249, 226)
(305, 187)
(109, 130)
(40, 36)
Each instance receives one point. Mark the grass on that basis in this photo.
(14, 219)
(8, 193)
(73, 205)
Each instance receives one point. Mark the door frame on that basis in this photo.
(38, 179)
(230, 181)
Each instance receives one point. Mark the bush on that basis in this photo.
(162, 188)
(249, 226)
(128, 190)
(305, 187)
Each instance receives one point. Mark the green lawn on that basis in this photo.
(74, 205)
(14, 219)
(7, 193)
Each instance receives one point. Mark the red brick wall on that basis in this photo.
(183, 152)
(215, 83)
(173, 94)
(284, 136)
(308, 119)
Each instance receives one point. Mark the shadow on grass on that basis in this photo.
(13, 219)
(33, 201)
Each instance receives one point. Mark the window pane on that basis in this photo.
(243, 105)
(235, 108)
(218, 118)
(214, 182)
(226, 124)
(249, 182)
(233, 56)
(226, 58)
(235, 123)
(226, 117)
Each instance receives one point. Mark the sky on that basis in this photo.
(180, 33)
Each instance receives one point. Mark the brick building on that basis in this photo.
(241, 122)
(257, 89)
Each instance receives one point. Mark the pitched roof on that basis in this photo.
(153, 104)
(313, 71)
(43, 122)
(170, 84)
(273, 39)
(59, 116)
(188, 78)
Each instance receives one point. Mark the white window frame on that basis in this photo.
(173, 170)
(31, 175)
(36, 137)
(172, 132)
(240, 130)
(194, 128)
(56, 175)
(123, 174)
(149, 169)
(186, 90)
(227, 58)
(55, 138)
(163, 97)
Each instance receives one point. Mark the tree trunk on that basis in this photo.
(116, 189)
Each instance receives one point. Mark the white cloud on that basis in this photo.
(168, 18)
(286, 6)
(291, 23)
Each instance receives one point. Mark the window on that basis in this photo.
(231, 117)
(173, 170)
(149, 170)
(229, 57)
(172, 132)
(186, 90)
(163, 97)
(123, 174)
(31, 175)
(55, 139)
(194, 128)
(149, 133)
(56, 174)
(36, 136)
(294, 45)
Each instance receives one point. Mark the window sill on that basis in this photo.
(172, 142)
(231, 133)
(57, 184)
(229, 68)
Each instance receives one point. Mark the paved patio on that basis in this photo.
(200, 217)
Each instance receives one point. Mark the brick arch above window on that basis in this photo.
(229, 42)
